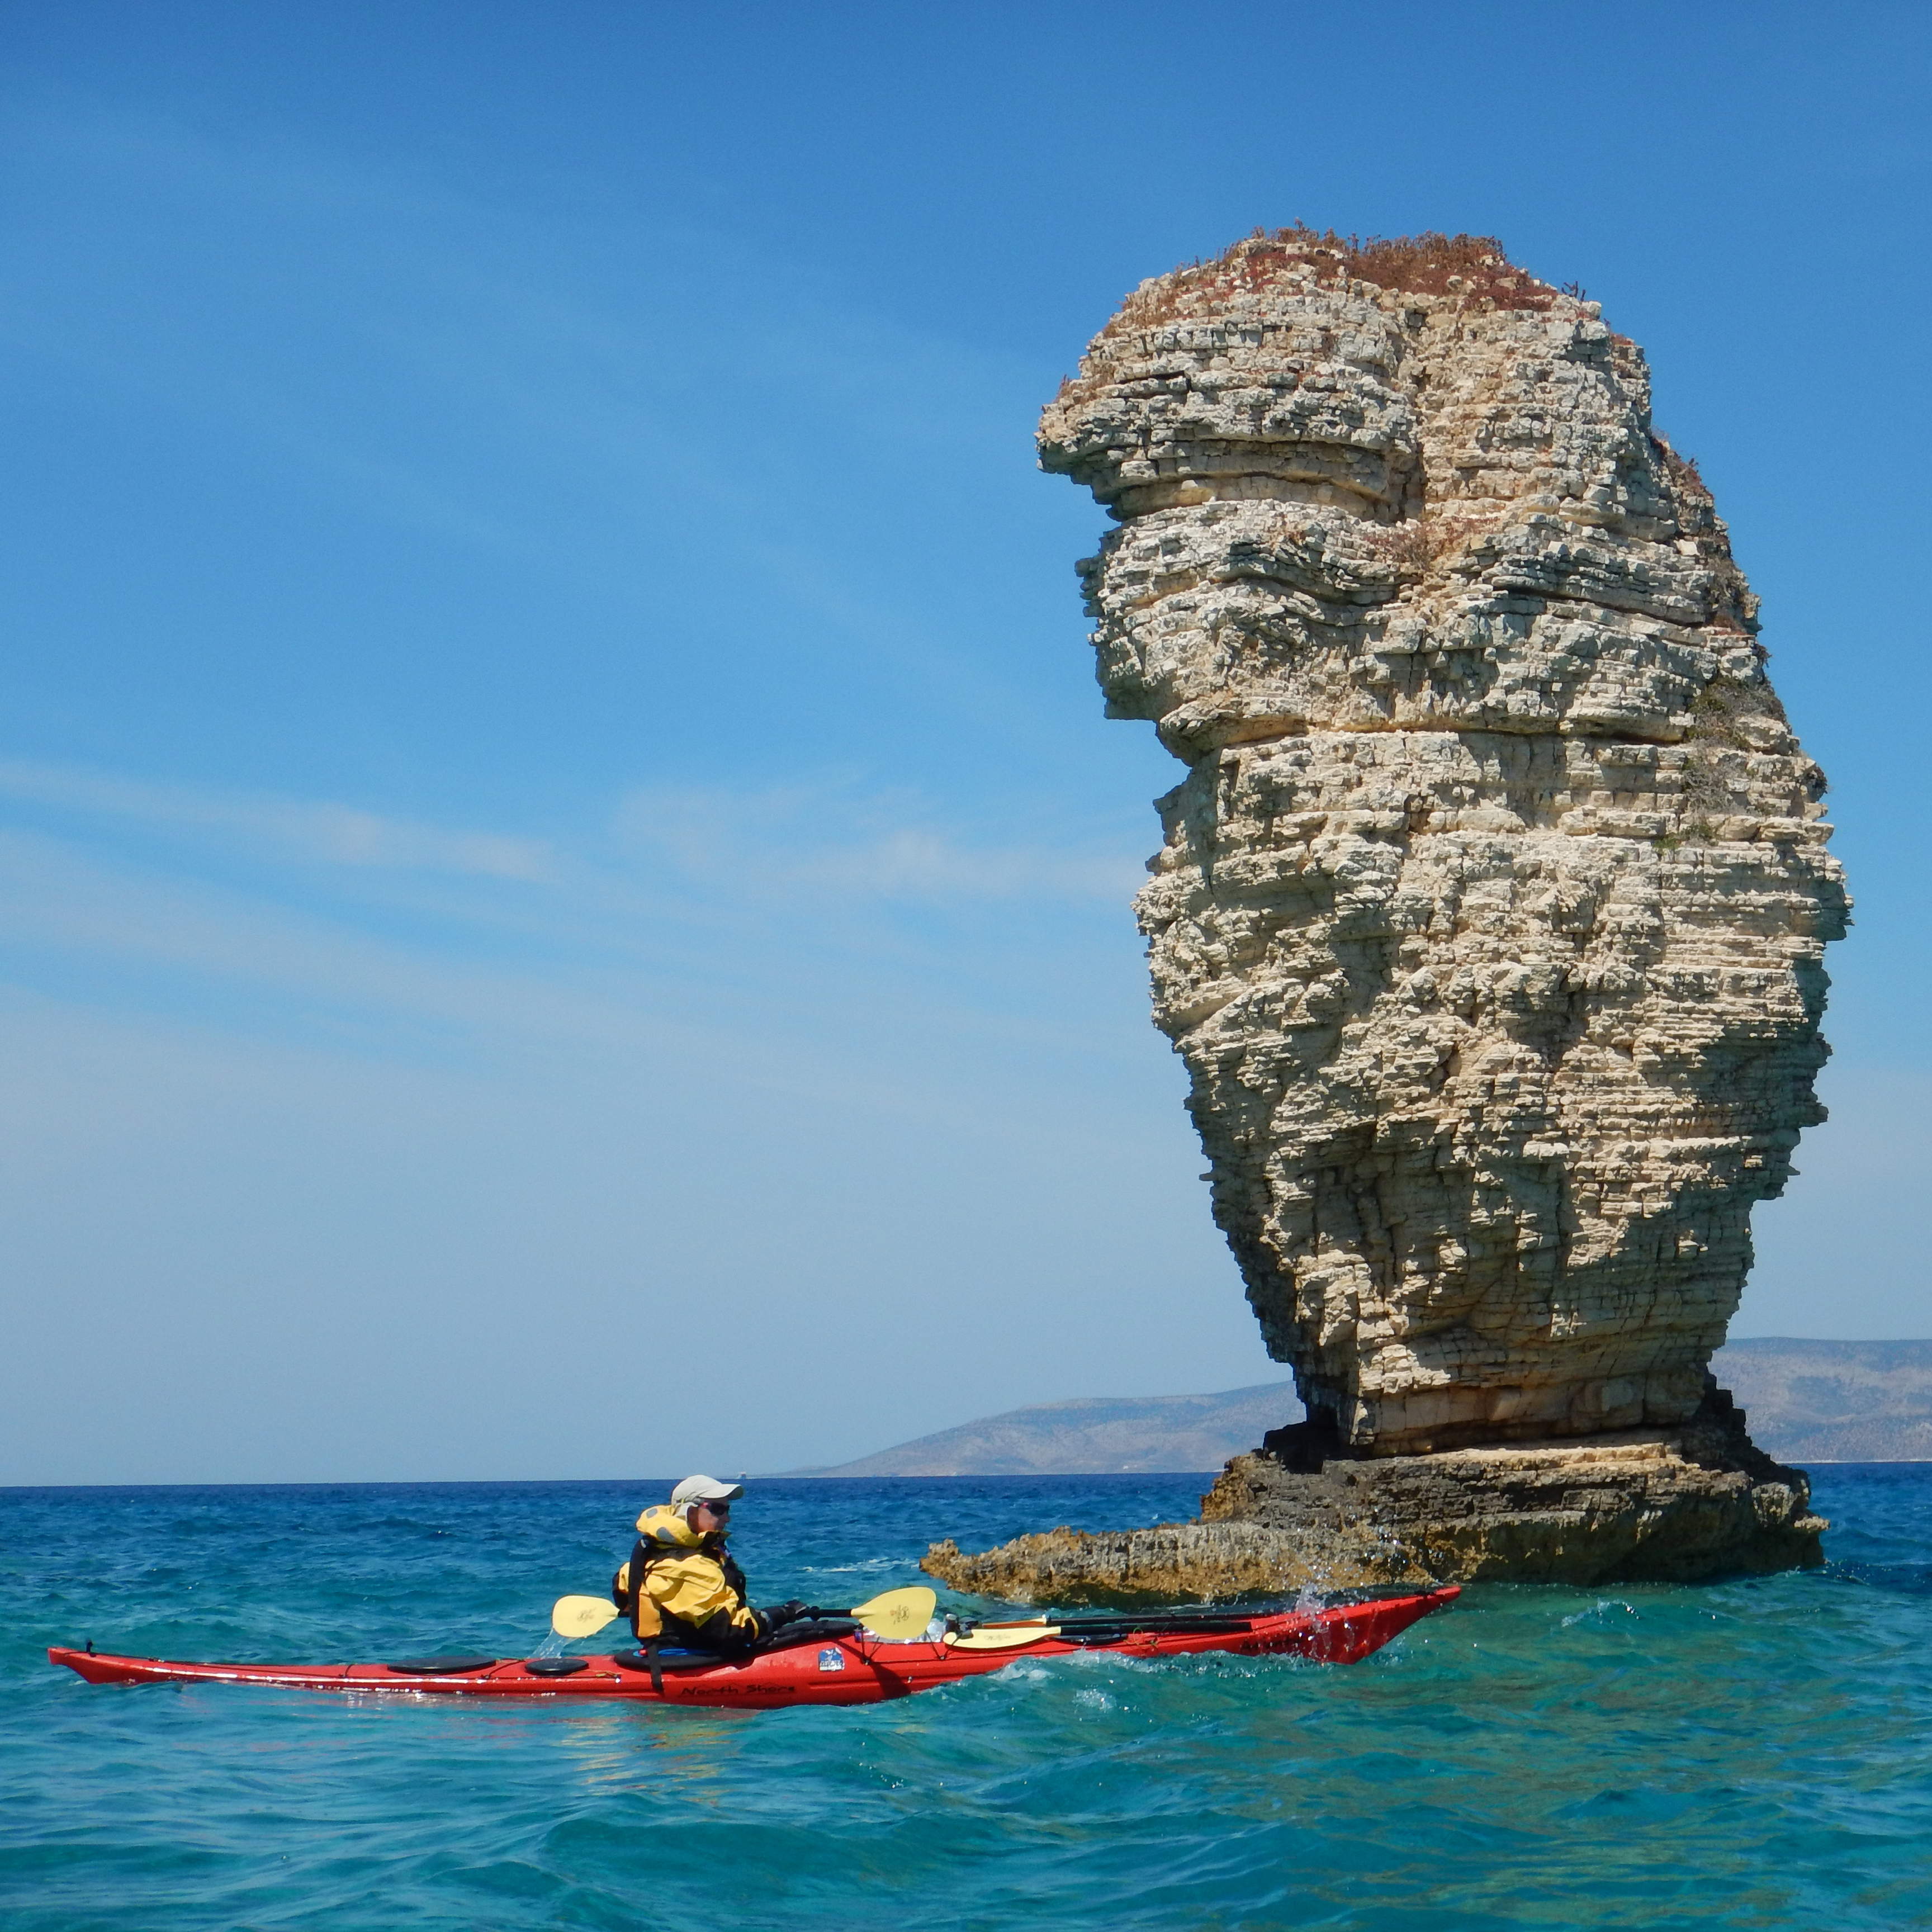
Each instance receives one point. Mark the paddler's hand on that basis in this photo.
(789, 1612)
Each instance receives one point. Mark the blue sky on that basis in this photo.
(563, 882)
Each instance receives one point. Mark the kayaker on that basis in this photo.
(693, 1595)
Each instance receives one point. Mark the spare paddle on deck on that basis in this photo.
(1004, 1636)
(897, 1615)
(1099, 1631)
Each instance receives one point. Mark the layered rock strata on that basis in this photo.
(1632, 1505)
(1490, 916)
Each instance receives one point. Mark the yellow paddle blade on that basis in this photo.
(1009, 1637)
(898, 1614)
(582, 1616)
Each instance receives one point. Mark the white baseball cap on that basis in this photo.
(704, 1489)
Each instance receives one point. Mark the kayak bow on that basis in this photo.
(855, 1668)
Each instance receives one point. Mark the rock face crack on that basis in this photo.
(1489, 918)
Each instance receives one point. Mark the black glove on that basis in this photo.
(789, 1612)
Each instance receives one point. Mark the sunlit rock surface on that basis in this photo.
(1490, 916)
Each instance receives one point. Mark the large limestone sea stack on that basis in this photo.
(1490, 919)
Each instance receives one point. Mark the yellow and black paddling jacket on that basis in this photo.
(681, 1587)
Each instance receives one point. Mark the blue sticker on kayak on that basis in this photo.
(831, 1660)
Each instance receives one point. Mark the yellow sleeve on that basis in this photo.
(693, 1587)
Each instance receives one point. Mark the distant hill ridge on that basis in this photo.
(1093, 1435)
(1833, 1402)
(1808, 1401)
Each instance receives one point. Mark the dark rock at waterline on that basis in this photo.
(1675, 1505)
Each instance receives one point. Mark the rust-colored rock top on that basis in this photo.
(1490, 917)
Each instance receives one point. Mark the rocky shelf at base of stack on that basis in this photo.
(1675, 1505)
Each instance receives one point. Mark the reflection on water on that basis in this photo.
(1750, 1753)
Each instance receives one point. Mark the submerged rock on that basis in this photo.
(1490, 917)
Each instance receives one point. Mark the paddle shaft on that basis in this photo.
(896, 1613)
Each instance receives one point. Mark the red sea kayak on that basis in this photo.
(856, 1668)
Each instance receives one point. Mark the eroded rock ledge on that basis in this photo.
(1660, 1505)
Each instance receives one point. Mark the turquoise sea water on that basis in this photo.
(1749, 1753)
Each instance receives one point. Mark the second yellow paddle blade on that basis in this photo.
(1010, 1638)
(582, 1616)
(899, 1614)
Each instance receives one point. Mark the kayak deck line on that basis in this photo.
(856, 1668)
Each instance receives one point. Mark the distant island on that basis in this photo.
(1833, 1402)
(1095, 1435)
(1808, 1402)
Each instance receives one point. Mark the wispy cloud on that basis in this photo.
(832, 837)
(101, 935)
(324, 831)
(326, 919)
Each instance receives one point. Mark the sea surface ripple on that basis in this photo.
(1749, 1753)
